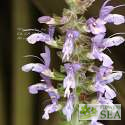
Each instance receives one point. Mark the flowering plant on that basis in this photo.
(79, 53)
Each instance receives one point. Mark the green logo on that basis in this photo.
(87, 112)
(100, 111)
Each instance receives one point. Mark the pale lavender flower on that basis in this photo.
(53, 94)
(34, 89)
(116, 19)
(105, 75)
(102, 72)
(68, 109)
(99, 44)
(114, 41)
(69, 80)
(51, 21)
(97, 26)
(106, 90)
(68, 46)
(107, 9)
(107, 61)
(32, 39)
(97, 41)
(43, 37)
(102, 43)
(98, 54)
(47, 20)
(105, 15)
(50, 109)
(111, 77)
(38, 67)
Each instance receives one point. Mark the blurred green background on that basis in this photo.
(17, 106)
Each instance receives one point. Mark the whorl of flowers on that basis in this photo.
(78, 53)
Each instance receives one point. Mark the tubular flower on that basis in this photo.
(51, 21)
(38, 67)
(68, 46)
(53, 94)
(105, 76)
(97, 26)
(99, 44)
(69, 81)
(47, 20)
(103, 43)
(68, 109)
(43, 37)
(50, 109)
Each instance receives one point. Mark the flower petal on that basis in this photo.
(28, 67)
(116, 19)
(105, 10)
(46, 56)
(46, 79)
(33, 89)
(106, 60)
(109, 93)
(114, 41)
(68, 109)
(32, 39)
(50, 109)
(36, 67)
(68, 46)
(111, 77)
(46, 20)
(96, 26)
(98, 39)
(118, 75)
(103, 100)
(76, 67)
(99, 87)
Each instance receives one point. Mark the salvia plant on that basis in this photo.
(81, 45)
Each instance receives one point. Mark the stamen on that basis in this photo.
(35, 57)
(113, 87)
(119, 6)
(109, 50)
(116, 34)
(104, 4)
